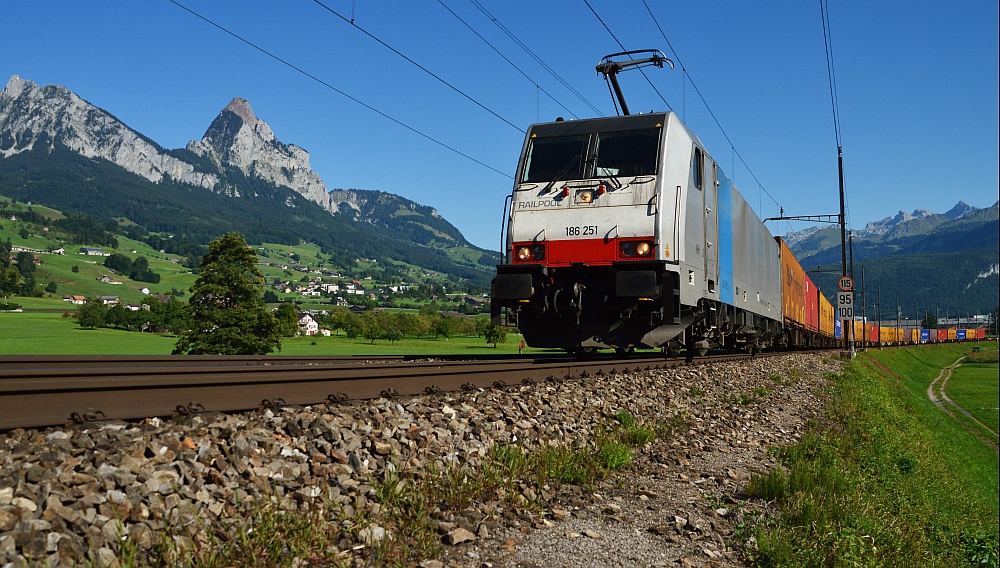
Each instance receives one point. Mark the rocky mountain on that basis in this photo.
(57, 149)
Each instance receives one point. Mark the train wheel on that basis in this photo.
(624, 352)
(668, 352)
(586, 352)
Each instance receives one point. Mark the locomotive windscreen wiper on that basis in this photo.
(561, 173)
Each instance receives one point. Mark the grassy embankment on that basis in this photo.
(890, 479)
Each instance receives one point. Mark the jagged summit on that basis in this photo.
(237, 138)
(54, 114)
(959, 210)
(241, 107)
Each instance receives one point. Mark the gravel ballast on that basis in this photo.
(72, 496)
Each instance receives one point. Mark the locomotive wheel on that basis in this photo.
(586, 352)
(624, 352)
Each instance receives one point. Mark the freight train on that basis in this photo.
(624, 232)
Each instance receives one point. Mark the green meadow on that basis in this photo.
(32, 333)
(888, 479)
(976, 388)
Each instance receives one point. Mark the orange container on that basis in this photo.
(792, 286)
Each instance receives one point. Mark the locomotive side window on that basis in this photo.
(697, 167)
(554, 158)
(631, 153)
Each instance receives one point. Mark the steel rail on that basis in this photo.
(39, 397)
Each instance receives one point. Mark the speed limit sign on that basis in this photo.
(845, 305)
(845, 283)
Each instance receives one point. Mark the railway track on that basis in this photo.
(55, 390)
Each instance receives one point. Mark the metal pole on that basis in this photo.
(864, 309)
(843, 239)
(878, 312)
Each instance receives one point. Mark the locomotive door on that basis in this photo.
(710, 202)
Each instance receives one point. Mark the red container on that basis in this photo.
(873, 331)
(942, 335)
(980, 333)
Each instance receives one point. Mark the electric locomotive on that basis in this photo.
(623, 232)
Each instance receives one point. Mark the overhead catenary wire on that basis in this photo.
(419, 66)
(335, 89)
(648, 80)
(707, 107)
(537, 59)
(514, 65)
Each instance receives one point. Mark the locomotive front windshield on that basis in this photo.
(551, 158)
(609, 154)
(626, 153)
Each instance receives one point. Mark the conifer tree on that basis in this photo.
(227, 309)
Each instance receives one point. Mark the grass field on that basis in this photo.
(51, 334)
(976, 388)
(891, 481)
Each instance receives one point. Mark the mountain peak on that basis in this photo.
(960, 209)
(15, 86)
(241, 107)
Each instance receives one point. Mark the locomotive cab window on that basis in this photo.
(554, 158)
(697, 168)
(631, 153)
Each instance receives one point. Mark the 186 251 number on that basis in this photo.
(581, 231)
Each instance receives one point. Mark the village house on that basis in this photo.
(144, 290)
(92, 251)
(133, 307)
(75, 299)
(307, 325)
(109, 300)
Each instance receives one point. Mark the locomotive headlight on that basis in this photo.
(535, 252)
(635, 249)
(585, 196)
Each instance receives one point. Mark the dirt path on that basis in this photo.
(939, 383)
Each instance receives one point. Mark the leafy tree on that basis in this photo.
(496, 334)
(51, 287)
(288, 318)
(370, 328)
(23, 233)
(270, 297)
(10, 282)
(75, 268)
(91, 314)
(228, 314)
(445, 328)
(482, 323)
(119, 263)
(25, 263)
(116, 316)
(177, 316)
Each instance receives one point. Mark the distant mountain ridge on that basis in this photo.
(949, 258)
(246, 179)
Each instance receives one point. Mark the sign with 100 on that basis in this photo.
(845, 305)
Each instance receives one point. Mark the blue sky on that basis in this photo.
(917, 85)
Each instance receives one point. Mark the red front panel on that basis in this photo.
(594, 252)
(942, 334)
(812, 304)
